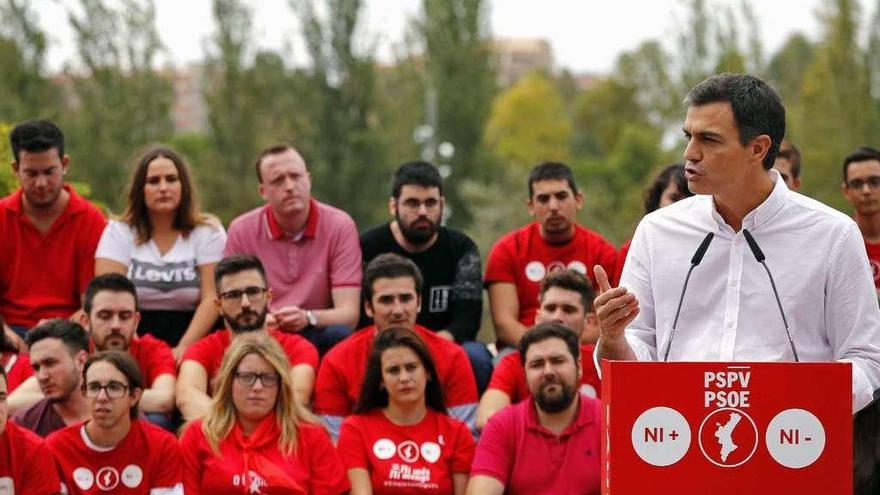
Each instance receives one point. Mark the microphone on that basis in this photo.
(759, 255)
(695, 260)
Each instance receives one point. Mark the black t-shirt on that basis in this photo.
(452, 294)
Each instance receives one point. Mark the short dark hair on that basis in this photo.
(110, 282)
(418, 173)
(389, 265)
(551, 171)
(862, 154)
(275, 149)
(788, 151)
(72, 334)
(237, 263)
(373, 395)
(757, 108)
(549, 330)
(572, 280)
(126, 365)
(36, 136)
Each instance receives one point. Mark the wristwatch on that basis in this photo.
(311, 318)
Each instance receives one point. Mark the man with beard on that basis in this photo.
(452, 294)
(550, 442)
(520, 260)
(59, 349)
(861, 187)
(310, 251)
(44, 220)
(243, 299)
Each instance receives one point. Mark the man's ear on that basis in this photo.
(392, 206)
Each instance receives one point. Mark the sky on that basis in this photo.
(585, 35)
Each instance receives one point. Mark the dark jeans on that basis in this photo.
(481, 363)
(325, 338)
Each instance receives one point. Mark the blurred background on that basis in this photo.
(485, 90)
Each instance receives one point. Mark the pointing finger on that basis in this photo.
(601, 278)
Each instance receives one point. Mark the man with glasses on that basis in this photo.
(58, 350)
(310, 251)
(452, 294)
(243, 300)
(114, 451)
(861, 187)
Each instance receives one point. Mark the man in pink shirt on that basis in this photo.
(311, 251)
(550, 442)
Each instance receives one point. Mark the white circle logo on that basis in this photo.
(384, 449)
(795, 438)
(588, 390)
(7, 486)
(578, 266)
(535, 271)
(431, 452)
(107, 478)
(661, 436)
(408, 451)
(728, 437)
(132, 476)
(83, 478)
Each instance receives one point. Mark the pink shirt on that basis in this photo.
(303, 269)
(529, 459)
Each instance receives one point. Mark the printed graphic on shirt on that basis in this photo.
(536, 271)
(439, 299)
(875, 269)
(403, 474)
(164, 277)
(253, 481)
(7, 486)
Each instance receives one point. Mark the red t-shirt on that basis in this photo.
(31, 291)
(148, 458)
(621, 259)
(26, 464)
(420, 458)
(523, 258)
(874, 259)
(152, 355)
(313, 469)
(18, 369)
(528, 458)
(338, 386)
(509, 376)
(209, 350)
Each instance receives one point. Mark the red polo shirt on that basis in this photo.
(43, 276)
(529, 459)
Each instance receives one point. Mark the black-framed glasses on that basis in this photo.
(873, 182)
(253, 293)
(114, 389)
(248, 379)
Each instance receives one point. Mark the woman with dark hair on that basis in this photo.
(257, 438)
(669, 186)
(16, 364)
(168, 248)
(400, 439)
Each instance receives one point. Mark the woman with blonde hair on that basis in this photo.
(168, 248)
(256, 435)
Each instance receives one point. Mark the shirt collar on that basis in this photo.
(276, 232)
(584, 417)
(763, 212)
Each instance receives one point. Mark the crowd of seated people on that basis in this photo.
(156, 354)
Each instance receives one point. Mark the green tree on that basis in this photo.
(528, 124)
(459, 70)
(789, 65)
(347, 152)
(7, 179)
(119, 103)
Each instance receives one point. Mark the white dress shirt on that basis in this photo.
(818, 261)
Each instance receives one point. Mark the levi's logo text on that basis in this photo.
(164, 277)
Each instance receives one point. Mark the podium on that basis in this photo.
(726, 428)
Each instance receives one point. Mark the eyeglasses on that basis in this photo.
(253, 293)
(873, 182)
(248, 379)
(114, 389)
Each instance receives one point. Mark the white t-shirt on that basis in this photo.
(164, 282)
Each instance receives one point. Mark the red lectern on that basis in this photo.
(726, 428)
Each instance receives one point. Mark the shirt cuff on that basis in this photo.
(862, 391)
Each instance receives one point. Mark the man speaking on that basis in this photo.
(782, 278)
